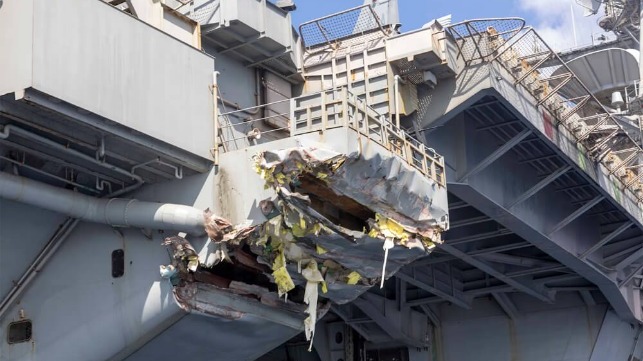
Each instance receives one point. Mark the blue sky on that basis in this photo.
(552, 18)
(415, 13)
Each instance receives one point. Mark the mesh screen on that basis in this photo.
(337, 26)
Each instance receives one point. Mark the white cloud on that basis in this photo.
(553, 21)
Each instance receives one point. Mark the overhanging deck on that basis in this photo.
(551, 175)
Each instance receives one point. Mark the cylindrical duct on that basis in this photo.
(115, 211)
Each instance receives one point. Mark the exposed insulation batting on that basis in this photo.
(381, 182)
(335, 226)
(280, 274)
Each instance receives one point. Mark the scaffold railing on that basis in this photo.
(529, 62)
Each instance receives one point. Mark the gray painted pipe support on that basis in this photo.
(116, 212)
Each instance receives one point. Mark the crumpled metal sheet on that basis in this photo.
(352, 249)
(389, 186)
(381, 181)
(337, 292)
(410, 208)
(298, 246)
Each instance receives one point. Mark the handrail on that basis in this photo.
(337, 108)
(533, 65)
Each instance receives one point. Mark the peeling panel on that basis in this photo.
(333, 226)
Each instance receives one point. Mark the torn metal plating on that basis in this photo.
(353, 215)
(335, 226)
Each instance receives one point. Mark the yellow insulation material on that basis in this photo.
(353, 278)
(320, 249)
(281, 275)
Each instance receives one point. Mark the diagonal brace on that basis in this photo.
(427, 287)
(496, 154)
(629, 277)
(539, 186)
(638, 254)
(606, 239)
(577, 213)
(483, 266)
(506, 304)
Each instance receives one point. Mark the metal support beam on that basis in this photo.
(400, 295)
(633, 241)
(533, 271)
(539, 186)
(535, 159)
(626, 252)
(496, 154)
(629, 259)
(516, 260)
(468, 221)
(498, 125)
(506, 288)
(337, 309)
(398, 325)
(506, 304)
(479, 237)
(241, 44)
(528, 289)
(587, 297)
(606, 239)
(537, 235)
(505, 247)
(425, 300)
(577, 213)
(435, 320)
(429, 288)
(629, 277)
(458, 205)
(502, 248)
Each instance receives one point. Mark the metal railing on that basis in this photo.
(345, 24)
(237, 134)
(324, 110)
(338, 107)
(533, 65)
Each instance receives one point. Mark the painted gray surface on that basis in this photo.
(121, 69)
(16, 32)
(21, 238)
(523, 103)
(75, 301)
(612, 342)
(260, 15)
(439, 105)
(493, 188)
(79, 311)
(116, 212)
(555, 333)
(236, 81)
(196, 338)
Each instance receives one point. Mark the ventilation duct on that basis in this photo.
(115, 212)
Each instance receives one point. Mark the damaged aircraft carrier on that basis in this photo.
(205, 180)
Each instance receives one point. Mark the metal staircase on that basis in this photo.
(525, 58)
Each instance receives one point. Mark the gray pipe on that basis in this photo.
(116, 212)
(9, 128)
